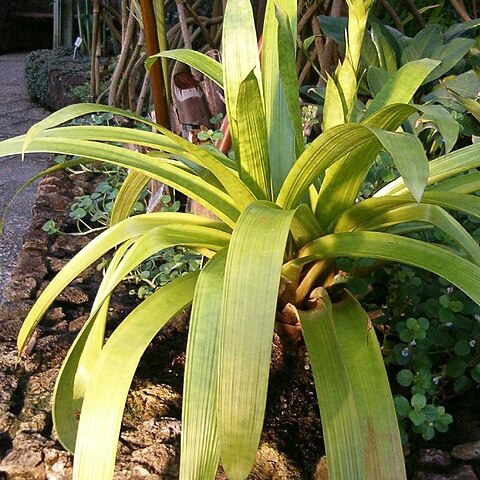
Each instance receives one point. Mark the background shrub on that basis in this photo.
(40, 63)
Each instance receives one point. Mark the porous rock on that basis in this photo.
(270, 464)
(58, 464)
(73, 295)
(467, 451)
(19, 289)
(434, 457)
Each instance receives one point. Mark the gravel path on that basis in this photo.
(17, 115)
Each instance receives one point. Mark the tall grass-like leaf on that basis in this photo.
(252, 145)
(468, 183)
(330, 147)
(431, 214)
(199, 449)
(333, 146)
(201, 62)
(240, 56)
(372, 207)
(212, 198)
(288, 75)
(333, 108)
(77, 367)
(104, 401)
(281, 133)
(131, 188)
(343, 180)
(361, 433)
(109, 239)
(393, 248)
(159, 238)
(340, 415)
(440, 169)
(250, 299)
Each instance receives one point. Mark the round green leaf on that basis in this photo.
(417, 417)
(418, 401)
(402, 406)
(405, 377)
(462, 348)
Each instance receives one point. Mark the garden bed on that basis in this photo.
(149, 444)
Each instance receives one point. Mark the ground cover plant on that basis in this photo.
(285, 212)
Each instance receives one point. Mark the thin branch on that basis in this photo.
(413, 10)
(397, 21)
(200, 24)
(122, 59)
(459, 7)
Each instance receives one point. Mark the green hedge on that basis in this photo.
(40, 63)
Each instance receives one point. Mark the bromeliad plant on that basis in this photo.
(285, 212)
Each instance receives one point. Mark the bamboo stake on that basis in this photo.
(156, 77)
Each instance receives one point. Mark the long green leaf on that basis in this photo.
(133, 185)
(305, 226)
(112, 237)
(372, 207)
(288, 76)
(328, 148)
(238, 191)
(71, 112)
(77, 367)
(441, 169)
(358, 416)
(201, 62)
(332, 146)
(240, 57)
(252, 139)
(281, 133)
(343, 180)
(403, 85)
(250, 299)
(199, 451)
(340, 415)
(159, 238)
(212, 198)
(468, 183)
(104, 401)
(393, 248)
(432, 214)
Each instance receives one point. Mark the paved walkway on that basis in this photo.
(17, 115)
